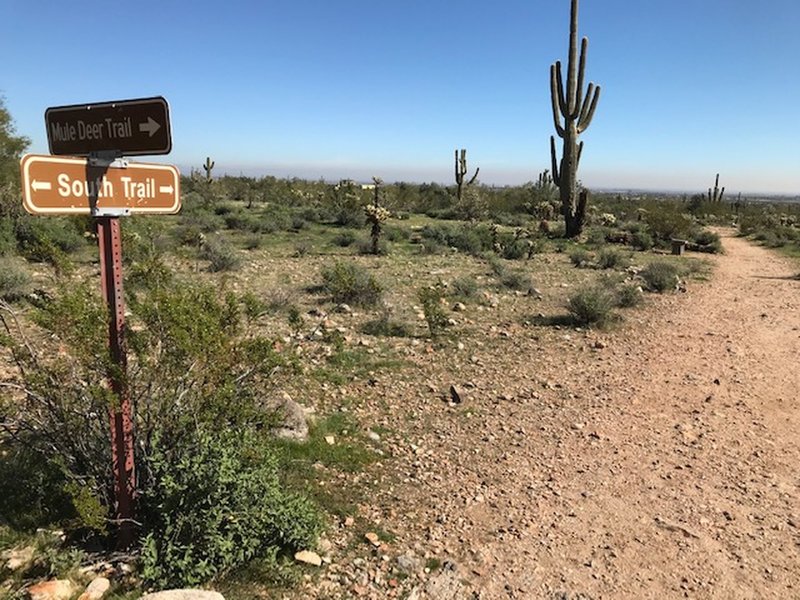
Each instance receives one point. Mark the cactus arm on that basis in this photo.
(581, 75)
(586, 117)
(572, 80)
(721, 193)
(562, 101)
(554, 161)
(474, 177)
(458, 174)
(578, 158)
(556, 97)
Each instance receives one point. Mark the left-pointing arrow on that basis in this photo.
(150, 127)
(41, 185)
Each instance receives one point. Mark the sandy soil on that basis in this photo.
(656, 460)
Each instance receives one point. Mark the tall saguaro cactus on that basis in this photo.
(461, 170)
(207, 167)
(572, 113)
(717, 196)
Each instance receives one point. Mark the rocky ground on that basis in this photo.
(657, 459)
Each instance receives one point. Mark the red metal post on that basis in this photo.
(110, 240)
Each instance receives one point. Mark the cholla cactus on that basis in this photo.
(608, 220)
(376, 216)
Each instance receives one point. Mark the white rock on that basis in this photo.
(96, 589)
(308, 557)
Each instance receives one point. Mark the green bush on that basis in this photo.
(464, 288)
(14, 281)
(660, 276)
(345, 239)
(628, 295)
(641, 240)
(221, 255)
(431, 298)
(708, 241)
(609, 258)
(515, 280)
(215, 501)
(592, 305)
(349, 283)
(384, 326)
(580, 257)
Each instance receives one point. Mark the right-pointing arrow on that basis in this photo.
(166, 189)
(41, 185)
(150, 127)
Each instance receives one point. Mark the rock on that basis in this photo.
(373, 539)
(599, 344)
(344, 309)
(373, 436)
(184, 595)
(330, 440)
(459, 307)
(294, 418)
(96, 589)
(409, 563)
(456, 395)
(308, 557)
(56, 589)
(18, 558)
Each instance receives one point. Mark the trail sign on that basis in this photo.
(60, 186)
(127, 127)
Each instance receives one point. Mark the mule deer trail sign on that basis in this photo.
(125, 127)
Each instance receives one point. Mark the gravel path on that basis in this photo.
(657, 460)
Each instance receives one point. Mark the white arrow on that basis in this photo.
(41, 185)
(150, 127)
(166, 189)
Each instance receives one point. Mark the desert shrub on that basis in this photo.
(14, 281)
(221, 255)
(580, 257)
(385, 326)
(216, 502)
(660, 276)
(708, 241)
(349, 283)
(641, 240)
(516, 280)
(365, 246)
(515, 249)
(628, 295)
(609, 258)
(592, 305)
(464, 287)
(431, 298)
(396, 234)
(243, 221)
(666, 224)
(497, 266)
(344, 239)
(597, 236)
(472, 239)
(254, 241)
(301, 249)
(8, 241)
(211, 495)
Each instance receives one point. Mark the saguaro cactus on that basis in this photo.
(576, 109)
(461, 170)
(208, 166)
(717, 196)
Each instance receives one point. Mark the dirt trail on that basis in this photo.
(661, 464)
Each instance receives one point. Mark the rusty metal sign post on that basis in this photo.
(107, 187)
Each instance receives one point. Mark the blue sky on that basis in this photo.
(352, 88)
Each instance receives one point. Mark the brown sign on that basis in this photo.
(52, 185)
(125, 127)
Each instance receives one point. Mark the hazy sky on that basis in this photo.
(352, 88)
